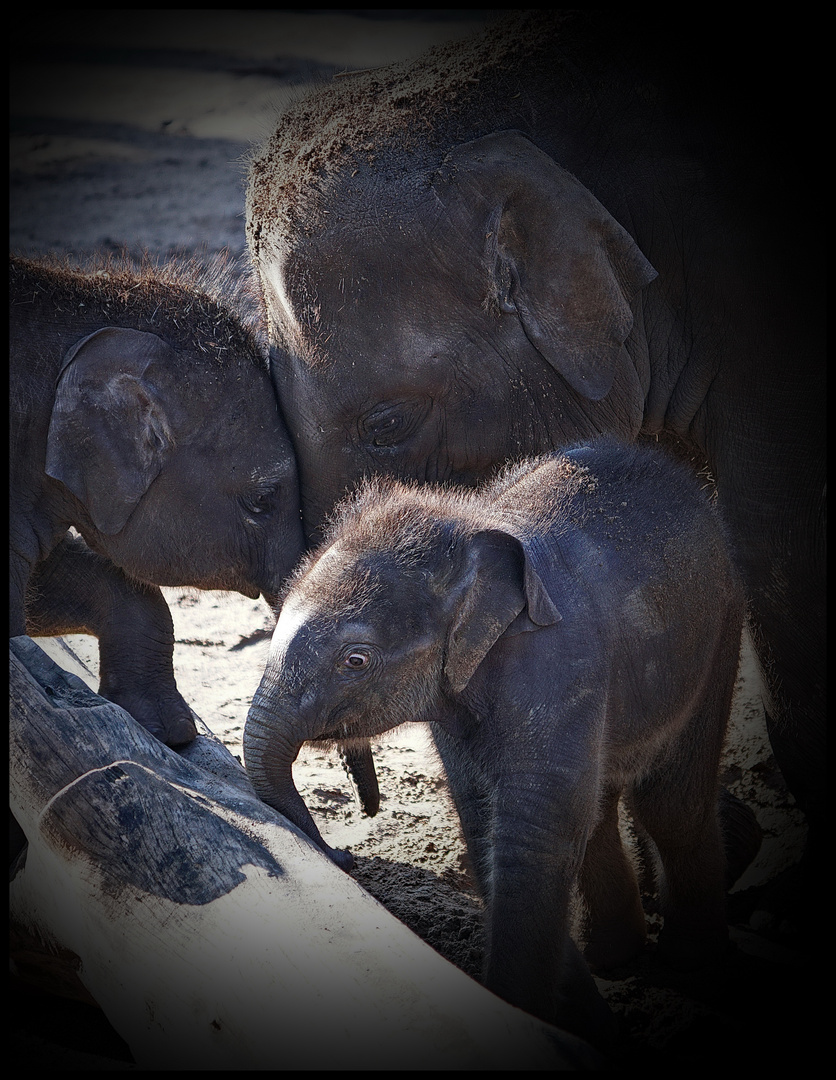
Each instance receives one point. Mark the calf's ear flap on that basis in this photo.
(110, 432)
(498, 590)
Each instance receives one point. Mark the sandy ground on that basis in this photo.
(128, 130)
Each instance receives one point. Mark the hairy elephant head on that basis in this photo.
(180, 463)
(434, 325)
(386, 624)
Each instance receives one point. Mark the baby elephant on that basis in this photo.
(142, 416)
(571, 632)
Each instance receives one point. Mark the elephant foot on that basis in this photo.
(167, 718)
(581, 1009)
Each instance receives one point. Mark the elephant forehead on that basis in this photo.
(342, 582)
(293, 616)
(306, 632)
(362, 580)
(297, 638)
(331, 299)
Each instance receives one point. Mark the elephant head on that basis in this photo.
(385, 625)
(153, 443)
(485, 314)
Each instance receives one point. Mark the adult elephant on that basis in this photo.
(564, 227)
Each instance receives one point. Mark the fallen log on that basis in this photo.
(211, 932)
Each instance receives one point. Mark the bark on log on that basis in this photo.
(211, 931)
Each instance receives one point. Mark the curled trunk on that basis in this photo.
(271, 745)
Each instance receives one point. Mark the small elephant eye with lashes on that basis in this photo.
(356, 659)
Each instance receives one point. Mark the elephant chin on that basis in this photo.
(268, 758)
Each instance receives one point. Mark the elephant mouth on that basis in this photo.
(333, 735)
(220, 582)
(350, 729)
(335, 729)
(343, 726)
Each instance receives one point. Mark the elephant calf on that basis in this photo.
(142, 414)
(571, 632)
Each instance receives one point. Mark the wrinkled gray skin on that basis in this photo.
(560, 230)
(142, 415)
(571, 635)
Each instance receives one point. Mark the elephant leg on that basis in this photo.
(780, 530)
(470, 793)
(76, 590)
(677, 800)
(615, 929)
(742, 834)
(742, 838)
(676, 803)
(538, 843)
(684, 830)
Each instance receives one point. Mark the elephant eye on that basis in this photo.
(394, 422)
(356, 658)
(387, 430)
(259, 502)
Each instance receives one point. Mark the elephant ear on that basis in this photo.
(109, 434)
(555, 254)
(498, 591)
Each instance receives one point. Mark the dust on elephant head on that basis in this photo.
(550, 232)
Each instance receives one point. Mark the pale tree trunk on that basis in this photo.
(212, 932)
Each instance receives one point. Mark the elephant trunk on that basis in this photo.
(359, 764)
(271, 745)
